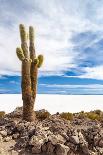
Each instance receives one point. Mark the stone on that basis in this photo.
(20, 126)
(7, 139)
(38, 140)
(62, 149)
(81, 138)
(14, 152)
(1, 138)
(15, 136)
(2, 151)
(50, 148)
(22, 142)
(36, 149)
(74, 139)
(56, 139)
(44, 147)
(100, 143)
(85, 150)
(3, 133)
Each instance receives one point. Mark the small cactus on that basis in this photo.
(30, 65)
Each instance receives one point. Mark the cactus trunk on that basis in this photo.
(29, 73)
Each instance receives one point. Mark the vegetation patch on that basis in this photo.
(2, 113)
(67, 116)
(42, 114)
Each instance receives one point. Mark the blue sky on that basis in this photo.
(69, 34)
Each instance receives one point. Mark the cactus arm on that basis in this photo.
(23, 37)
(31, 40)
(33, 69)
(20, 54)
(40, 60)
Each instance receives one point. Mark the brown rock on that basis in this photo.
(1, 138)
(74, 139)
(36, 149)
(7, 139)
(15, 136)
(56, 139)
(50, 148)
(3, 133)
(44, 147)
(100, 143)
(62, 149)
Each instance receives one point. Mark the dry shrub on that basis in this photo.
(2, 113)
(67, 116)
(42, 114)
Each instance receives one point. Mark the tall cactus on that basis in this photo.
(30, 65)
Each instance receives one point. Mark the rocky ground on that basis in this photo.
(51, 136)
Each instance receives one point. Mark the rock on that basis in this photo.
(2, 128)
(44, 147)
(36, 149)
(81, 138)
(100, 150)
(85, 150)
(56, 139)
(54, 135)
(56, 125)
(62, 149)
(50, 148)
(72, 146)
(1, 138)
(74, 139)
(3, 133)
(7, 139)
(17, 113)
(100, 143)
(15, 136)
(20, 127)
(35, 140)
(14, 152)
(2, 151)
(22, 142)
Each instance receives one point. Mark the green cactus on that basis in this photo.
(40, 59)
(36, 61)
(20, 54)
(30, 65)
(23, 33)
(31, 34)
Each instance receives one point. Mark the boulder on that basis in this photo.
(3, 133)
(7, 139)
(15, 136)
(61, 149)
(37, 142)
(100, 143)
(50, 148)
(74, 139)
(36, 149)
(1, 138)
(54, 139)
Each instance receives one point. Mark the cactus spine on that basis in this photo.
(30, 65)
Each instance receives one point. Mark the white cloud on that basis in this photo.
(93, 73)
(88, 86)
(55, 23)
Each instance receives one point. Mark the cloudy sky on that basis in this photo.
(69, 34)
